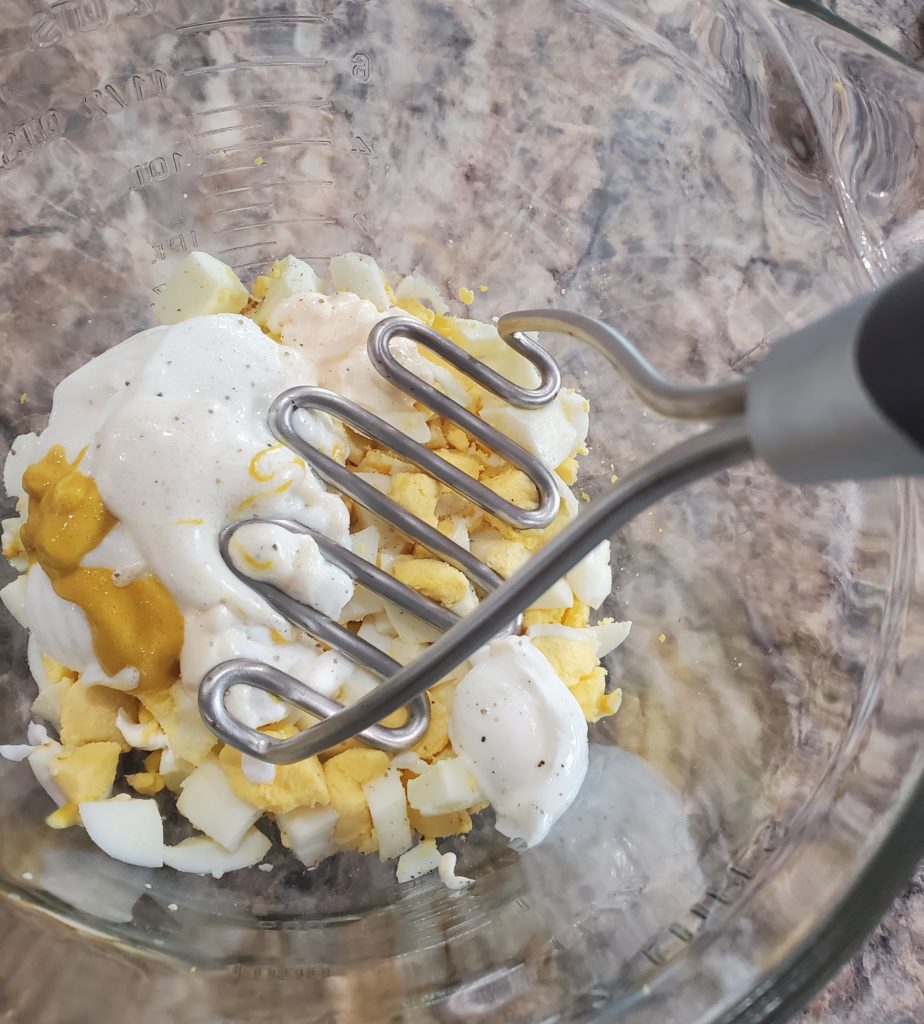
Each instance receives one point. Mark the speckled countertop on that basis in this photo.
(765, 258)
(884, 982)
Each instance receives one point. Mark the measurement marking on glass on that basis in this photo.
(227, 170)
(247, 245)
(244, 147)
(257, 19)
(275, 223)
(229, 128)
(327, 182)
(319, 102)
(312, 63)
(182, 242)
(243, 209)
(157, 169)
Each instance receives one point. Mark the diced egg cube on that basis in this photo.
(559, 595)
(86, 772)
(592, 578)
(288, 277)
(126, 828)
(365, 543)
(388, 808)
(610, 635)
(421, 860)
(200, 285)
(309, 833)
(444, 787)
(207, 800)
(358, 273)
(415, 286)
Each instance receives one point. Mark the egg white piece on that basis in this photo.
(139, 736)
(59, 627)
(126, 828)
(200, 285)
(40, 761)
(388, 809)
(257, 772)
(419, 861)
(552, 433)
(200, 855)
(416, 286)
(523, 736)
(445, 786)
(308, 832)
(592, 578)
(207, 800)
(288, 277)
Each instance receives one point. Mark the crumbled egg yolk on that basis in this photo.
(302, 784)
(84, 773)
(436, 738)
(88, 714)
(418, 493)
(440, 826)
(437, 580)
(346, 775)
(514, 486)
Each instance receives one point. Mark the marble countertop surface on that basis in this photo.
(884, 982)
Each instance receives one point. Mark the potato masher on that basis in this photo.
(840, 399)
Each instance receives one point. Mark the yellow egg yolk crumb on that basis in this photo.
(434, 579)
(86, 772)
(88, 714)
(346, 775)
(294, 785)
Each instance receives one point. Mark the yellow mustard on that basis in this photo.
(138, 625)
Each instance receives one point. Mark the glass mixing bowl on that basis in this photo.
(703, 175)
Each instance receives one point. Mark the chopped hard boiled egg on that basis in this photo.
(443, 787)
(360, 274)
(287, 277)
(420, 860)
(127, 829)
(208, 802)
(388, 809)
(86, 772)
(201, 285)
(292, 785)
(200, 855)
(157, 445)
(309, 833)
(592, 578)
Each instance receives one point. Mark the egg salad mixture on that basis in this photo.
(158, 443)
